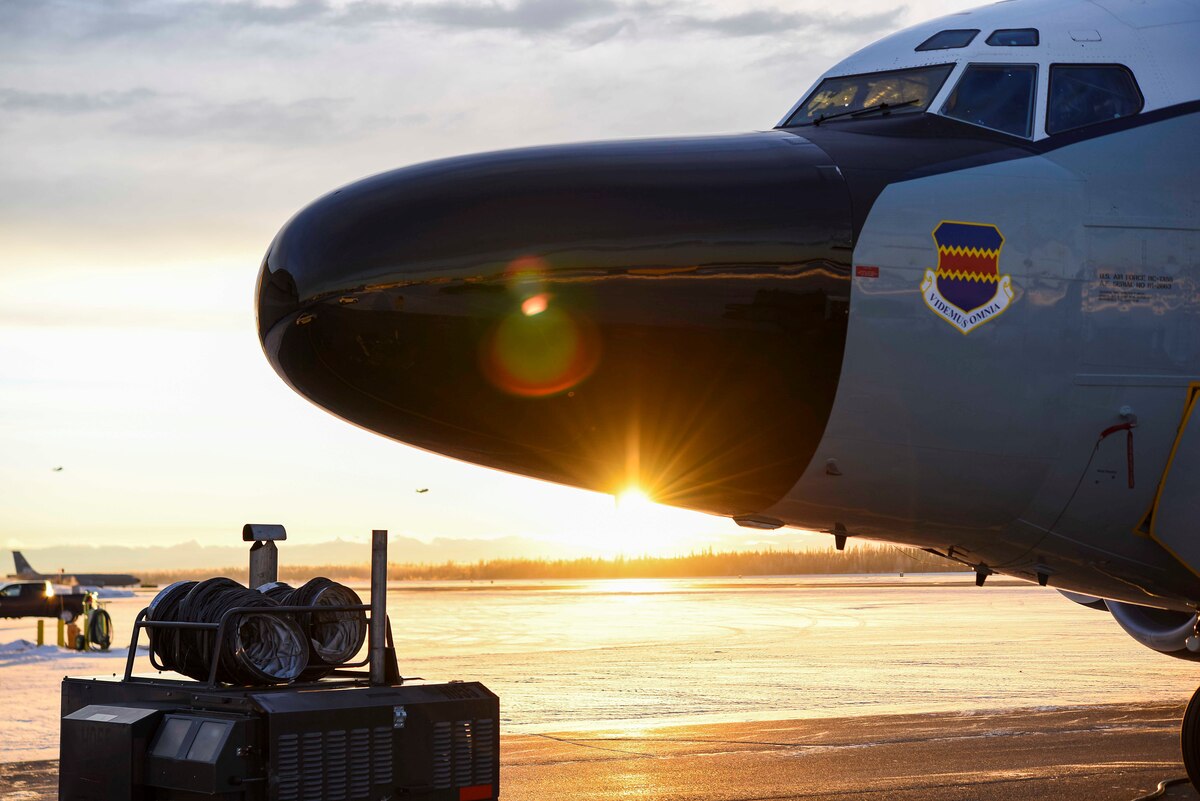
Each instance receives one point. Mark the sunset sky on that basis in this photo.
(150, 150)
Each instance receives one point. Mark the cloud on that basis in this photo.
(135, 18)
(185, 117)
(592, 35)
(121, 18)
(768, 22)
(526, 15)
(87, 20)
(258, 120)
(587, 21)
(16, 100)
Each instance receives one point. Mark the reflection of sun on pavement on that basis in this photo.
(641, 586)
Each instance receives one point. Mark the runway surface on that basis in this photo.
(591, 655)
(1099, 753)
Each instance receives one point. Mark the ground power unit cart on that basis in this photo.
(360, 732)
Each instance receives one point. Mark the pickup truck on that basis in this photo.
(40, 599)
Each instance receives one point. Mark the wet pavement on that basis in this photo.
(1099, 753)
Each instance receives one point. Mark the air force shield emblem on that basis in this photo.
(967, 289)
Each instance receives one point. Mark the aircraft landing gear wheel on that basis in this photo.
(1189, 739)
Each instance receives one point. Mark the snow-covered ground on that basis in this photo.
(572, 655)
(30, 676)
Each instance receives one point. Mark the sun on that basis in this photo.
(640, 527)
(633, 499)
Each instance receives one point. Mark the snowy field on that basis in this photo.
(632, 653)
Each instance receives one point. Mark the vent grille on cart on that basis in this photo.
(334, 765)
(463, 753)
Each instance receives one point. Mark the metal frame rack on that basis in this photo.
(381, 651)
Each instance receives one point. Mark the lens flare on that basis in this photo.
(525, 277)
(535, 305)
(539, 352)
(524, 270)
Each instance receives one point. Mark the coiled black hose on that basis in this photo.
(166, 643)
(99, 630)
(333, 637)
(257, 649)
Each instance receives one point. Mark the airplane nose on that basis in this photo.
(669, 314)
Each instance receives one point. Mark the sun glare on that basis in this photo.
(641, 527)
(632, 499)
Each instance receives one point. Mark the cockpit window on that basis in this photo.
(996, 96)
(874, 93)
(1084, 94)
(949, 40)
(1014, 37)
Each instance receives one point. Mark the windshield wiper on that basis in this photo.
(858, 112)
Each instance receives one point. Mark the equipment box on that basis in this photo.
(150, 738)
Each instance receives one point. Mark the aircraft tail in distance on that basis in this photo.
(23, 566)
(26, 571)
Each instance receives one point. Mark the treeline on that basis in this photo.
(702, 564)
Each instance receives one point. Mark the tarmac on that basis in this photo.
(1095, 753)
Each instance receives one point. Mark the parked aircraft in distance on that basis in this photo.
(951, 300)
(26, 571)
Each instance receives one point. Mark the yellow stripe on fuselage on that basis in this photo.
(962, 275)
(955, 250)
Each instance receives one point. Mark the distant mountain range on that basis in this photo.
(127, 559)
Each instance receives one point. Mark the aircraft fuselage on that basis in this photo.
(964, 317)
